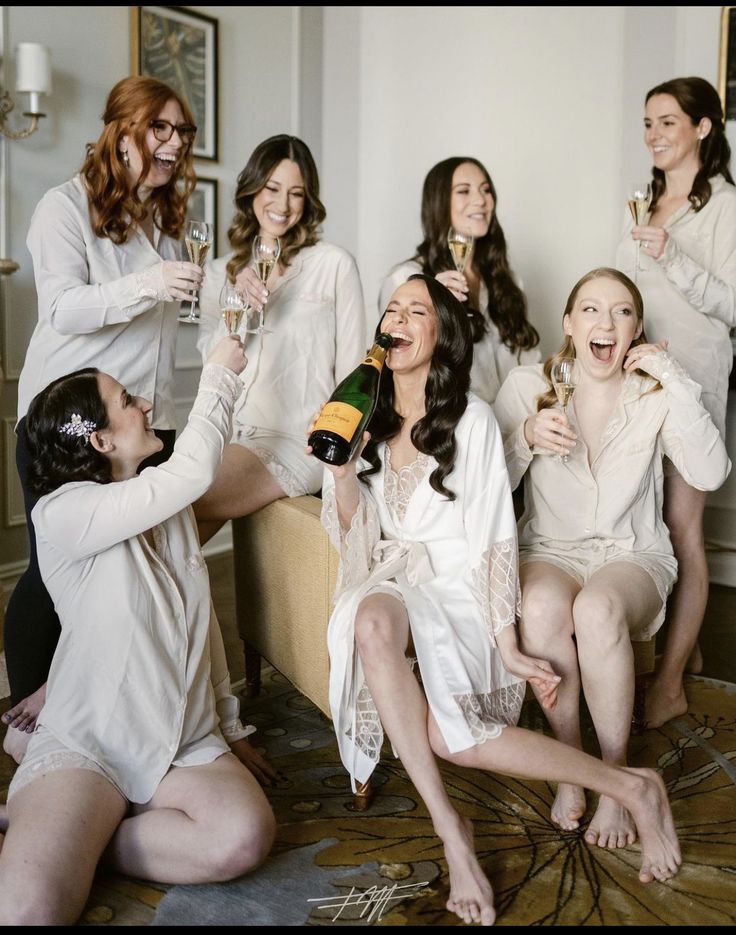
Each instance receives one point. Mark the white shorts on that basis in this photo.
(297, 472)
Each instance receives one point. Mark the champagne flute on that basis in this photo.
(460, 246)
(564, 382)
(232, 306)
(266, 251)
(198, 237)
(640, 197)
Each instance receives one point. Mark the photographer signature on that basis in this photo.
(374, 900)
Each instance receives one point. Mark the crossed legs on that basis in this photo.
(618, 599)
(205, 823)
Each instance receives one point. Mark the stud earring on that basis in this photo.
(124, 157)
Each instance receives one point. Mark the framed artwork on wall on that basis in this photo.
(727, 62)
(203, 206)
(179, 47)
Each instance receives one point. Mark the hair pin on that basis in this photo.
(79, 427)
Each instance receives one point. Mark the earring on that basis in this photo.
(124, 157)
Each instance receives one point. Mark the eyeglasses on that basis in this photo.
(163, 131)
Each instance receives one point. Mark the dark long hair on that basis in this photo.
(114, 202)
(506, 302)
(547, 399)
(697, 98)
(57, 457)
(263, 160)
(445, 394)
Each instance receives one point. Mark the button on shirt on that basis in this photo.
(139, 674)
(90, 313)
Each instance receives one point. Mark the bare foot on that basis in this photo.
(661, 705)
(23, 715)
(650, 809)
(694, 664)
(471, 896)
(568, 806)
(16, 743)
(611, 826)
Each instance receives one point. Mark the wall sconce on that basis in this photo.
(32, 75)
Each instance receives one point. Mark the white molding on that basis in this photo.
(11, 484)
(190, 363)
(219, 543)
(722, 567)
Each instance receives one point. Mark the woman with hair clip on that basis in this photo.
(132, 762)
(688, 281)
(595, 554)
(425, 528)
(316, 331)
(106, 261)
(458, 193)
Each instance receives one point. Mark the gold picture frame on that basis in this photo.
(727, 62)
(179, 47)
(203, 206)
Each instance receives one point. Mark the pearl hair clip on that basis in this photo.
(79, 427)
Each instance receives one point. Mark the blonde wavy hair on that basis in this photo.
(115, 207)
(548, 399)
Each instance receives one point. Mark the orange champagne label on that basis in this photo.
(374, 362)
(339, 418)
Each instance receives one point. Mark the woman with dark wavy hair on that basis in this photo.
(316, 323)
(427, 542)
(106, 258)
(595, 555)
(458, 192)
(139, 757)
(688, 280)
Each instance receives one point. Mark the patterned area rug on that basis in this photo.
(335, 866)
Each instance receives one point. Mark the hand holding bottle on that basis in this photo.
(339, 471)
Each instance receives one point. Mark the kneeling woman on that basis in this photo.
(596, 559)
(138, 688)
(427, 539)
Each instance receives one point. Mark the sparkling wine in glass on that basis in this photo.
(460, 246)
(198, 237)
(232, 306)
(564, 382)
(640, 197)
(266, 252)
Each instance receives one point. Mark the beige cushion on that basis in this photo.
(285, 571)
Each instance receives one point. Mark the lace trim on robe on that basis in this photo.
(398, 486)
(487, 714)
(496, 583)
(355, 545)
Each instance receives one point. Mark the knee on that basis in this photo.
(599, 621)
(244, 845)
(542, 617)
(372, 633)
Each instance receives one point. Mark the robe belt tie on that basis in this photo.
(411, 558)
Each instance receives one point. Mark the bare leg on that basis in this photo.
(59, 826)
(530, 755)
(204, 824)
(242, 485)
(617, 600)
(683, 513)
(547, 596)
(382, 633)
(23, 715)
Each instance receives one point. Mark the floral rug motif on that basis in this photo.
(334, 866)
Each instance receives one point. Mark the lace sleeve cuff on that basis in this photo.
(222, 380)
(496, 584)
(150, 284)
(355, 545)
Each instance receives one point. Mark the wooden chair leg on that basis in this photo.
(252, 672)
(363, 796)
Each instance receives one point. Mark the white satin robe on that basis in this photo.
(455, 566)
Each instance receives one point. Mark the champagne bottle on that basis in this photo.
(342, 421)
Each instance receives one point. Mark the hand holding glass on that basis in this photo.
(198, 237)
(232, 306)
(640, 198)
(460, 247)
(266, 252)
(564, 382)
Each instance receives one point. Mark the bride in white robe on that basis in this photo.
(428, 564)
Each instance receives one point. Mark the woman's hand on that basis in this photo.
(341, 471)
(455, 282)
(249, 284)
(537, 671)
(265, 772)
(229, 353)
(550, 429)
(181, 279)
(656, 362)
(653, 239)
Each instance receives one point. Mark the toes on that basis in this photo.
(591, 837)
(487, 916)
